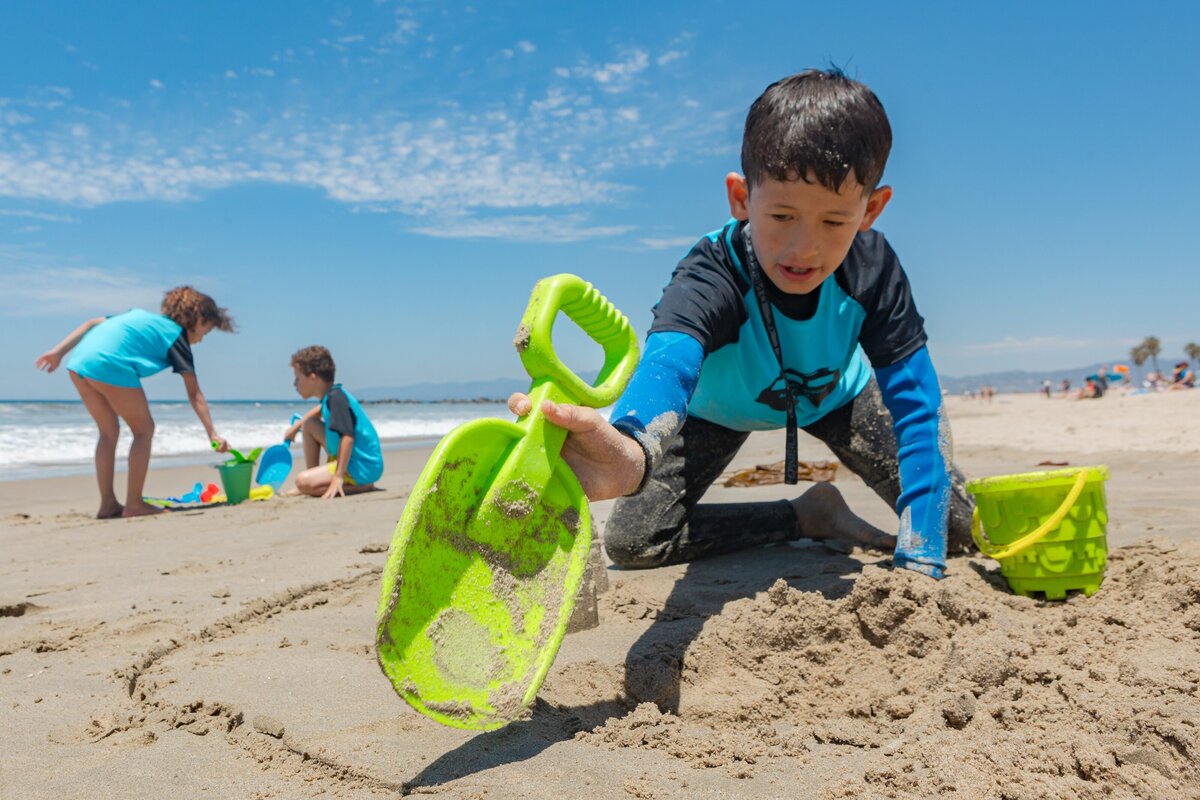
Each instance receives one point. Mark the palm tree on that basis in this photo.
(1138, 355)
(1152, 347)
(1193, 352)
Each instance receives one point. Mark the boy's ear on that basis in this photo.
(875, 205)
(738, 192)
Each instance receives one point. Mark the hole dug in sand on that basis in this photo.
(945, 688)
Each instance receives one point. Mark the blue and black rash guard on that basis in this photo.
(708, 355)
(345, 417)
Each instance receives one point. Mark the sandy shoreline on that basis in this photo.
(228, 652)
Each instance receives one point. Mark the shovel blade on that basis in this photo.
(477, 595)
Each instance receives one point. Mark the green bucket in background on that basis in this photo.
(1048, 530)
(235, 478)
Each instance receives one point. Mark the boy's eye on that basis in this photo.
(833, 223)
(781, 217)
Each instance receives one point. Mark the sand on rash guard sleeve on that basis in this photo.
(655, 402)
(911, 393)
(341, 416)
(180, 355)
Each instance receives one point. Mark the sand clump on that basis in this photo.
(951, 688)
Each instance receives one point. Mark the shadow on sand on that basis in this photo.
(653, 663)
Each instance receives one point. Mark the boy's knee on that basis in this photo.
(310, 484)
(633, 539)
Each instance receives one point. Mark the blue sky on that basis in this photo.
(389, 179)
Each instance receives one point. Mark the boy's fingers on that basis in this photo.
(577, 419)
(519, 404)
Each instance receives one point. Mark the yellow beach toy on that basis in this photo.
(1048, 530)
(489, 554)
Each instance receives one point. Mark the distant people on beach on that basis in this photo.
(1182, 377)
(1065, 385)
(1046, 386)
(338, 425)
(109, 356)
(1092, 389)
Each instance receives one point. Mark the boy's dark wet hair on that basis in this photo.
(817, 122)
(189, 308)
(315, 360)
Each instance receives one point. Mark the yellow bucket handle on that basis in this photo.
(1012, 548)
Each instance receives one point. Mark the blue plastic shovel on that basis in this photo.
(275, 464)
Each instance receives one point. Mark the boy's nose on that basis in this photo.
(803, 248)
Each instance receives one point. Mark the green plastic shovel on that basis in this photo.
(489, 554)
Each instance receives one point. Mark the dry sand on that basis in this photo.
(228, 652)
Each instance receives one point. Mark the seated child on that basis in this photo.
(339, 426)
(1182, 377)
(769, 323)
(110, 356)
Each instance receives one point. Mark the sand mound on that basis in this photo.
(957, 687)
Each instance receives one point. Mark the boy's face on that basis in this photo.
(307, 385)
(802, 231)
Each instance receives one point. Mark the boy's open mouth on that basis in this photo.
(799, 273)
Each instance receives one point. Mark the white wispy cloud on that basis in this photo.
(668, 242)
(41, 290)
(559, 229)
(561, 149)
(41, 216)
(155, 83)
(617, 76)
(1028, 344)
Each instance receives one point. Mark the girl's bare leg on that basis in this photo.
(131, 406)
(106, 446)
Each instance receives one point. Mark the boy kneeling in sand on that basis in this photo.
(339, 426)
(782, 307)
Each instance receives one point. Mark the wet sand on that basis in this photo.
(228, 652)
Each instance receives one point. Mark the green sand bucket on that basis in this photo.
(1047, 529)
(490, 552)
(235, 478)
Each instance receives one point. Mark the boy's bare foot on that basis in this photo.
(141, 510)
(823, 514)
(293, 492)
(110, 511)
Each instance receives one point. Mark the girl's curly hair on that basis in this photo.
(189, 308)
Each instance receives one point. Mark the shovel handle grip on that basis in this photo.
(598, 318)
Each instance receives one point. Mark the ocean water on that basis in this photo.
(45, 439)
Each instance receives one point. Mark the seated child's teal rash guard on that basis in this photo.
(708, 355)
(125, 348)
(343, 416)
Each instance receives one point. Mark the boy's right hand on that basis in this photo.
(607, 463)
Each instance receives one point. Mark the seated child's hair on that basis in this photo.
(189, 308)
(817, 122)
(315, 360)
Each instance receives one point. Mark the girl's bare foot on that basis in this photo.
(822, 514)
(141, 510)
(110, 511)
